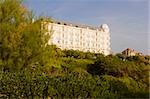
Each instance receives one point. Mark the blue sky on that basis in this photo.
(127, 19)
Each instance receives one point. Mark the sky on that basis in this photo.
(127, 19)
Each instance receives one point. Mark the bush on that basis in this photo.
(23, 85)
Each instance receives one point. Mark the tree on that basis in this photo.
(22, 42)
(121, 56)
(89, 55)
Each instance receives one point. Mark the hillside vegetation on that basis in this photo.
(32, 69)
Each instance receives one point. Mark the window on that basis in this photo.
(96, 33)
(83, 44)
(107, 43)
(58, 22)
(63, 41)
(63, 28)
(93, 45)
(66, 42)
(88, 44)
(80, 43)
(71, 42)
(80, 37)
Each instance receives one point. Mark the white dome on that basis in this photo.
(104, 27)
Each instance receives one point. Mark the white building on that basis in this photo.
(80, 37)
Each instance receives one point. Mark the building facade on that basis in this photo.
(80, 37)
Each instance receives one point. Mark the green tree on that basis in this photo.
(22, 42)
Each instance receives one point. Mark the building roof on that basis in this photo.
(103, 27)
(76, 25)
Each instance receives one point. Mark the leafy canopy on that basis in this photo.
(22, 42)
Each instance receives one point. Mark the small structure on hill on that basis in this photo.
(131, 52)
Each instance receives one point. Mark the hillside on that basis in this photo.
(30, 68)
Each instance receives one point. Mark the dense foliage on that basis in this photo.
(22, 42)
(29, 68)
